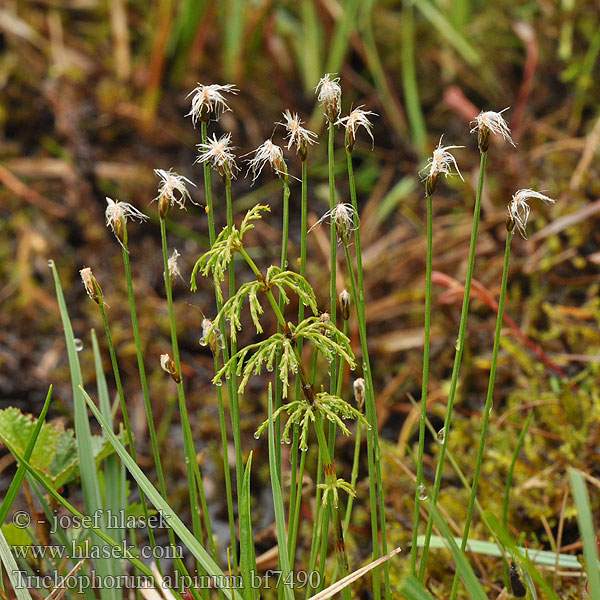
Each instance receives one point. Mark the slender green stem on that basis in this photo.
(333, 240)
(373, 456)
(231, 381)
(488, 403)
(142, 370)
(192, 467)
(331, 480)
(278, 383)
(234, 406)
(457, 360)
(424, 386)
(125, 414)
(297, 477)
(509, 478)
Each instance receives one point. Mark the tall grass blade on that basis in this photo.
(524, 559)
(87, 466)
(247, 554)
(12, 570)
(460, 560)
(185, 535)
(112, 479)
(588, 533)
(412, 589)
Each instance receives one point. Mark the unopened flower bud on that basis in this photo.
(345, 304)
(168, 365)
(359, 393)
(92, 287)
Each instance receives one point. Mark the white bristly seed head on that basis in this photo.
(207, 100)
(119, 212)
(357, 118)
(168, 365)
(297, 135)
(172, 190)
(440, 163)
(218, 153)
(359, 392)
(173, 265)
(330, 95)
(270, 153)
(491, 122)
(518, 209)
(342, 216)
(90, 283)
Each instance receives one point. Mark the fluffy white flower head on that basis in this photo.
(342, 216)
(296, 134)
(173, 187)
(330, 95)
(518, 209)
(218, 153)
(207, 100)
(173, 265)
(117, 212)
(492, 122)
(357, 118)
(267, 152)
(442, 162)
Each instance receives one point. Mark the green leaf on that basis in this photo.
(586, 528)
(12, 569)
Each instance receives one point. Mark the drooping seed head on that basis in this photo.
(171, 190)
(168, 365)
(357, 118)
(491, 122)
(518, 209)
(330, 95)
(297, 135)
(440, 163)
(208, 100)
(359, 392)
(218, 153)
(117, 213)
(342, 216)
(344, 298)
(92, 287)
(268, 152)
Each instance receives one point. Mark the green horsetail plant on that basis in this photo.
(360, 118)
(487, 123)
(518, 214)
(441, 163)
(323, 335)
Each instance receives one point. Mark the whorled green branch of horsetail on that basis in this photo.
(375, 479)
(489, 399)
(275, 278)
(94, 291)
(228, 242)
(309, 395)
(193, 469)
(327, 339)
(457, 360)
